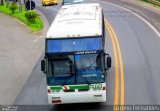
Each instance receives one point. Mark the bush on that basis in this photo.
(31, 16)
(13, 7)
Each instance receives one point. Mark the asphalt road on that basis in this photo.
(147, 11)
(19, 52)
(139, 46)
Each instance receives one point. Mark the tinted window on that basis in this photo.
(72, 45)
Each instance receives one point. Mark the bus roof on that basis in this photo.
(77, 21)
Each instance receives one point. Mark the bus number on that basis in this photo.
(96, 86)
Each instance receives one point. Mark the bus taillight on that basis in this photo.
(103, 88)
(49, 91)
(56, 101)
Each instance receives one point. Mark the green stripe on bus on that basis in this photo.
(80, 87)
(56, 87)
(70, 87)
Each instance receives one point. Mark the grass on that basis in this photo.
(21, 16)
(155, 4)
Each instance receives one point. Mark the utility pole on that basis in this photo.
(7, 3)
(19, 5)
(25, 1)
(30, 5)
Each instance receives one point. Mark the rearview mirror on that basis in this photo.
(43, 65)
(108, 61)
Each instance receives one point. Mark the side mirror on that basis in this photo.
(43, 65)
(108, 61)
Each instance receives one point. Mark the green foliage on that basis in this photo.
(37, 25)
(155, 3)
(31, 16)
(2, 3)
(13, 7)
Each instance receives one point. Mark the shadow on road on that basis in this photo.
(66, 107)
(73, 107)
(81, 107)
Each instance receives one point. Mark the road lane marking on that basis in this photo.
(143, 19)
(116, 92)
(114, 38)
(121, 68)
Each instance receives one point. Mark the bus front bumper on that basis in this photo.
(77, 97)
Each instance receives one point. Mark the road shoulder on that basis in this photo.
(21, 50)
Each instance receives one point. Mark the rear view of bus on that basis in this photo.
(75, 62)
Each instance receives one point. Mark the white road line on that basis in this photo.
(147, 22)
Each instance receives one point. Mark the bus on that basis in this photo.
(70, 2)
(75, 60)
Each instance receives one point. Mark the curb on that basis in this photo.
(45, 28)
(138, 2)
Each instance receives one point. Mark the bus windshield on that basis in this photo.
(68, 2)
(75, 69)
(61, 67)
(89, 68)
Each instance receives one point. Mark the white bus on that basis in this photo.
(75, 62)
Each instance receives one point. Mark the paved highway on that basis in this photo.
(19, 52)
(133, 79)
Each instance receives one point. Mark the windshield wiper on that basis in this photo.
(62, 75)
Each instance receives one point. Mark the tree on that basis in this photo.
(2, 2)
(13, 7)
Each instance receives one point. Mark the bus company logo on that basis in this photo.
(86, 52)
(89, 75)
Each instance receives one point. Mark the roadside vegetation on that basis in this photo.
(155, 3)
(30, 18)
